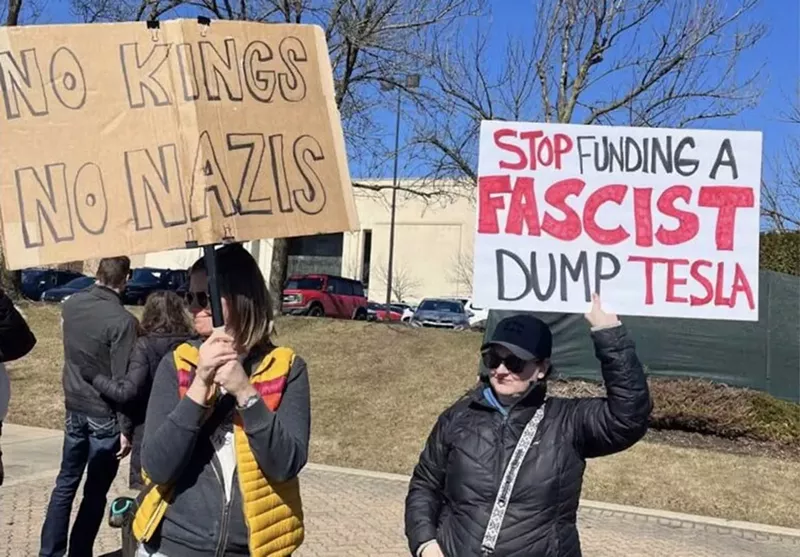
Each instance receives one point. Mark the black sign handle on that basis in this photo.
(210, 257)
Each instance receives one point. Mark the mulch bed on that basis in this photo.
(742, 446)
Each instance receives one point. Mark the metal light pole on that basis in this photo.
(411, 82)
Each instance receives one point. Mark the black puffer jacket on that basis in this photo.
(133, 391)
(16, 338)
(454, 486)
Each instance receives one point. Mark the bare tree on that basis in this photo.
(351, 268)
(93, 11)
(633, 62)
(461, 271)
(13, 12)
(21, 12)
(404, 284)
(780, 195)
(369, 42)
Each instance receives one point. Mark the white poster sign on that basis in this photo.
(659, 222)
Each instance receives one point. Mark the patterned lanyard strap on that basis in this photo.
(507, 485)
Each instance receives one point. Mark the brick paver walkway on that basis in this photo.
(356, 516)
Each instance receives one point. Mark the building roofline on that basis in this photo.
(423, 182)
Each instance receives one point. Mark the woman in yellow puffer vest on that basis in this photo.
(227, 430)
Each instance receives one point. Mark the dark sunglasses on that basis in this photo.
(196, 299)
(492, 360)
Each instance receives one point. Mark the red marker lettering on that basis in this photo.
(643, 216)
(741, 284)
(569, 228)
(673, 281)
(694, 271)
(509, 147)
(562, 146)
(531, 138)
(604, 236)
(523, 208)
(490, 201)
(688, 223)
(727, 199)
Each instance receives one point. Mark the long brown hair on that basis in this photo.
(242, 284)
(164, 313)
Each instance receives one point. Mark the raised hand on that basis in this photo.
(599, 318)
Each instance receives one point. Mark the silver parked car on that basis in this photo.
(441, 313)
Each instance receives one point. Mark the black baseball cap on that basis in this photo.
(525, 336)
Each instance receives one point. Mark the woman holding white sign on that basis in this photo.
(501, 472)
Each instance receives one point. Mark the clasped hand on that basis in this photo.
(219, 364)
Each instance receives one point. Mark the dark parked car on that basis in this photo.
(61, 293)
(146, 280)
(36, 281)
(325, 295)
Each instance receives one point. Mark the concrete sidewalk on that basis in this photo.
(351, 513)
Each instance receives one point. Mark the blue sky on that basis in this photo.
(778, 53)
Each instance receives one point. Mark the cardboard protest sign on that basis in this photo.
(659, 222)
(119, 139)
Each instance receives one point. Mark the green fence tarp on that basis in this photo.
(763, 355)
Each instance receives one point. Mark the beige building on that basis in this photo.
(433, 247)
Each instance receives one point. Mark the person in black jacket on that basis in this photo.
(164, 326)
(502, 470)
(16, 341)
(99, 334)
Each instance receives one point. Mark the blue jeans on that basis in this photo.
(91, 444)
